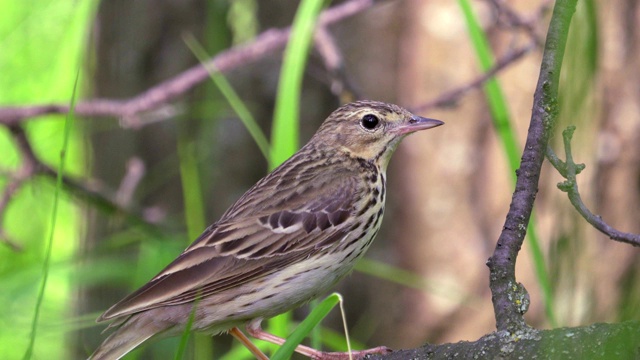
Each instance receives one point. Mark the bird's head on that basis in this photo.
(370, 129)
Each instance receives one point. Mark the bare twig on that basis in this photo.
(95, 194)
(569, 169)
(134, 173)
(169, 90)
(451, 97)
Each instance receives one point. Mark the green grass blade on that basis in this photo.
(191, 187)
(306, 326)
(506, 134)
(194, 208)
(54, 216)
(232, 97)
(540, 268)
(284, 132)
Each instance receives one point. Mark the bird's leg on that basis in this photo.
(255, 329)
(236, 333)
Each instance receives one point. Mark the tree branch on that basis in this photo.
(597, 341)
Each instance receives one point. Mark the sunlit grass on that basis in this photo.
(37, 284)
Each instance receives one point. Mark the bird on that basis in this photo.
(286, 241)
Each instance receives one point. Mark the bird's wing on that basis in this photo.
(291, 224)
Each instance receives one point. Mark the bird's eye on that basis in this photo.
(370, 121)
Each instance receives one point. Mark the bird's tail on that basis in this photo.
(133, 332)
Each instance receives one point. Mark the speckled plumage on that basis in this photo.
(287, 240)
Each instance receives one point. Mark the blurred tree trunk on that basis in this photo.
(457, 176)
(616, 184)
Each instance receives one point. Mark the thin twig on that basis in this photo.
(134, 173)
(569, 169)
(31, 167)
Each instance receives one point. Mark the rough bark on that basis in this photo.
(597, 341)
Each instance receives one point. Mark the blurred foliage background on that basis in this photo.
(424, 278)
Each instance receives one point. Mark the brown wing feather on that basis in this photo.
(250, 242)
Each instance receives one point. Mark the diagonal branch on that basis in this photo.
(450, 97)
(171, 89)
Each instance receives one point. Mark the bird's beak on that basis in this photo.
(417, 123)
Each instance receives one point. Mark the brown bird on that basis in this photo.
(286, 241)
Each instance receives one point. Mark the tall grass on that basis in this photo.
(54, 219)
(42, 43)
